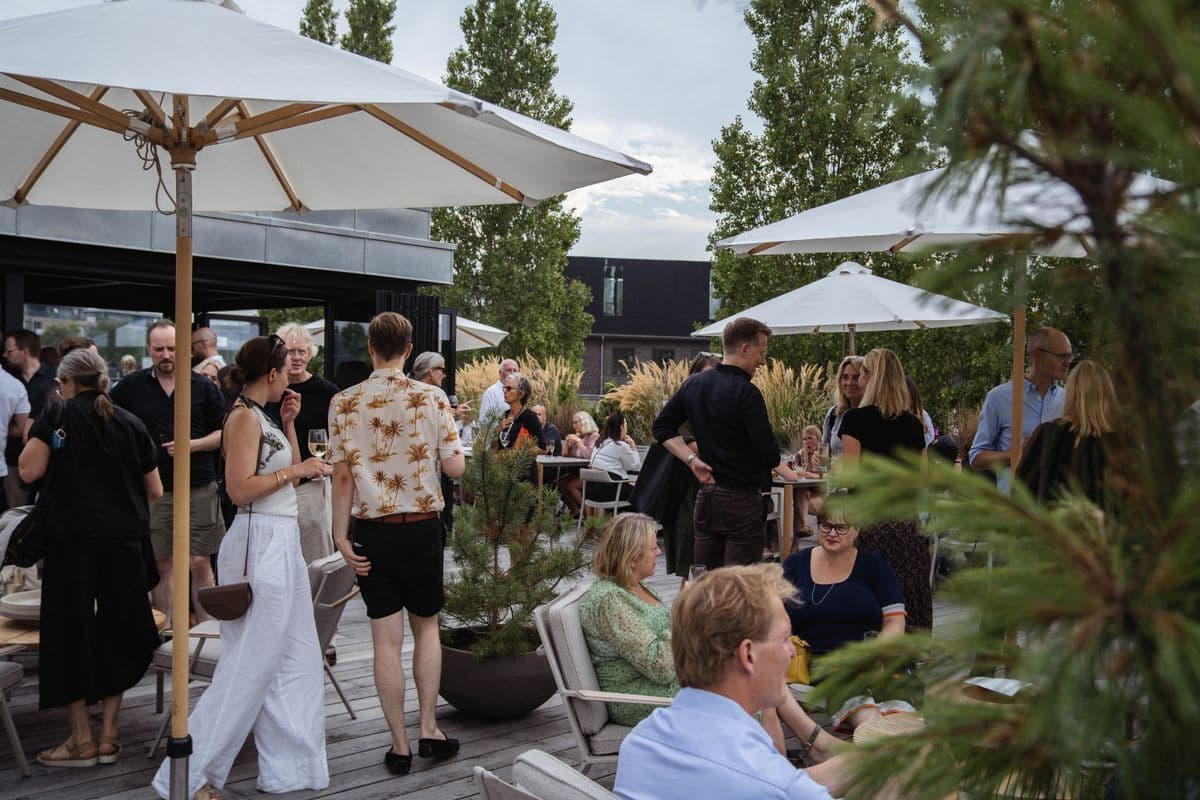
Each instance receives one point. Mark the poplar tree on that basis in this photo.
(319, 21)
(370, 29)
(511, 260)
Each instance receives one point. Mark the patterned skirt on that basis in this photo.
(901, 543)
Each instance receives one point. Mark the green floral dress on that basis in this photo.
(630, 643)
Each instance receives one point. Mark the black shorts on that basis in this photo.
(406, 567)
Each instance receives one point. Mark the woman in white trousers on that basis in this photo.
(269, 679)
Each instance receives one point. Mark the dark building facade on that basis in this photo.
(645, 310)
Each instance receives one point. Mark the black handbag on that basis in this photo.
(232, 600)
(27, 544)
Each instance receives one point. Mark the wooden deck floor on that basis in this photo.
(355, 747)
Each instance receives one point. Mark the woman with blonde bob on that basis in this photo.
(883, 425)
(628, 632)
(1070, 453)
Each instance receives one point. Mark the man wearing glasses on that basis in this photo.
(1049, 361)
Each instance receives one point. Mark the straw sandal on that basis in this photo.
(113, 742)
(69, 755)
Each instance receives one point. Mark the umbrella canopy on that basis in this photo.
(474, 335)
(94, 99)
(851, 298)
(470, 335)
(903, 213)
(261, 102)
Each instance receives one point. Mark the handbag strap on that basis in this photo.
(242, 402)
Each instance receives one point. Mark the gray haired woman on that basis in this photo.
(429, 367)
(97, 631)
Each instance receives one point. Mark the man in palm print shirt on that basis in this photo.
(387, 437)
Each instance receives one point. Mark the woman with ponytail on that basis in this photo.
(98, 472)
(269, 680)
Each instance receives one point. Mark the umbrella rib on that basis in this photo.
(39, 104)
(903, 243)
(242, 131)
(59, 142)
(245, 126)
(758, 248)
(444, 152)
(265, 149)
(75, 98)
(218, 113)
(151, 105)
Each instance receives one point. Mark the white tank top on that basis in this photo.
(274, 454)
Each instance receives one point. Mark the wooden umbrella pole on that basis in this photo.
(179, 746)
(853, 343)
(1018, 369)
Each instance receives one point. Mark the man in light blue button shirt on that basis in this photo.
(729, 637)
(1049, 361)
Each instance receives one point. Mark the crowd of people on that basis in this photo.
(286, 469)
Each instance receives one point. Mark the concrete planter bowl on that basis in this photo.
(506, 687)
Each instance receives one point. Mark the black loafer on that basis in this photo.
(398, 764)
(437, 748)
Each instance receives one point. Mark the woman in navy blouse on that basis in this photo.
(844, 596)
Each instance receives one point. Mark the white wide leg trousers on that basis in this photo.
(269, 679)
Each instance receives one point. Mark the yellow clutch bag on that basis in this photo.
(798, 667)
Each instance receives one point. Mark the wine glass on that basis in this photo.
(318, 445)
(696, 570)
(823, 458)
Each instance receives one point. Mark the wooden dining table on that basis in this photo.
(19, 635)
(787, 521)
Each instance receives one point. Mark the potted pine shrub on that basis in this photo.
(512, 554)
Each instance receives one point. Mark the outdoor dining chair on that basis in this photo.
(601, 477)
(597, 737)
(333, 585)
(537, 775)
(11, 675)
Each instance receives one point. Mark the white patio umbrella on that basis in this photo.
(268, 120)
(904, 215)
(470, 335)
(474, 335)
(850, 299)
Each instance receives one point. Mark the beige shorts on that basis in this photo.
(207, 526)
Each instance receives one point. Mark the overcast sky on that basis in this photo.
(655, 79)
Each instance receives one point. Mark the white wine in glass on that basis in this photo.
(318, 444)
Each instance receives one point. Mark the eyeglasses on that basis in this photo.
(841, 528)
(511, 388)
(1063, 357)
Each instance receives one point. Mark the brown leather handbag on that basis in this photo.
(232, 600)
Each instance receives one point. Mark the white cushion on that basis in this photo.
(575, 660)
(492, 787)
(550, 779)
(209, 655)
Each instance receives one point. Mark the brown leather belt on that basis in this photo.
(405, 518)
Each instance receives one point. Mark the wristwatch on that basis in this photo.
(689, 459)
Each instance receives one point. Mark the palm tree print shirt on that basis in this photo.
(393, 431)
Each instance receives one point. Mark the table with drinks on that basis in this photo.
(817, 462)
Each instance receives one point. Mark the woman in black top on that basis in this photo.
(97, 631)
(1070, 453)
(521, 424)
(882, 425)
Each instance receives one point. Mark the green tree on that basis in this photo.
(510, 262)
(370, 29)
(319, 21)
(862, 125)
(1107, 598)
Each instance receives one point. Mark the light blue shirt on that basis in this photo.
(995, 420)
(704, 746)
